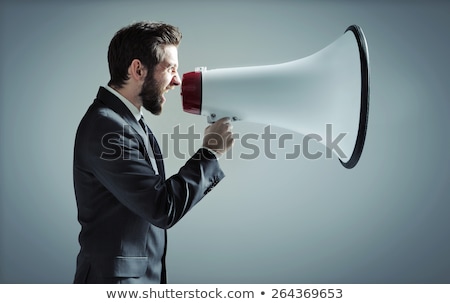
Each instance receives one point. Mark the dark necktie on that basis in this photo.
(154, 146)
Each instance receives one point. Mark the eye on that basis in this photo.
(172, 69)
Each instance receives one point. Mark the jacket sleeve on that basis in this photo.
(116, 157)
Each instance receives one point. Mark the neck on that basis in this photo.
(130, 95)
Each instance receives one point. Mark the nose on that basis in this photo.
(176, 81)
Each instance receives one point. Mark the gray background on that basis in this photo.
(269, 221)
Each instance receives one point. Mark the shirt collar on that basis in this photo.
(136, 113)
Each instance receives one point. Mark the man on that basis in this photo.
(125, 203)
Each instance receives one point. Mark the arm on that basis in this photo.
(117, 160)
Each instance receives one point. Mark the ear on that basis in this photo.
(137, 70)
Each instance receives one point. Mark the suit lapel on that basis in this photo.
(111, 101)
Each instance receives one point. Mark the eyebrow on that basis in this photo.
(167, 64)
(171, 64)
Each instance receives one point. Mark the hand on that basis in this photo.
(218, 136)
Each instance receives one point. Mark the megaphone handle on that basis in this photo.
(212, 118)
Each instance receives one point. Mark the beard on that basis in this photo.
(151, 95)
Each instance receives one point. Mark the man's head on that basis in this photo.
(144, 57)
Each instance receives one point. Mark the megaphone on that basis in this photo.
(329, 87)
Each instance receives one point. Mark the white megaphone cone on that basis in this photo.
(327, 90)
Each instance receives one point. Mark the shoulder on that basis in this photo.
(100, 118)
(99, 125)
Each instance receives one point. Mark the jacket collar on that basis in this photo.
(113, 102)
(136, 113)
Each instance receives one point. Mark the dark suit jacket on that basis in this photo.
(124, 208)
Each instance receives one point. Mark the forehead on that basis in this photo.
(170, 55)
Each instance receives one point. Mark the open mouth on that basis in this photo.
(163, 97)
(164, 92)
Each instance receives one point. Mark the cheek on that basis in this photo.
(168, 80)
(164, 81)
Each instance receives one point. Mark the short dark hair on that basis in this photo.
(141, 40)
